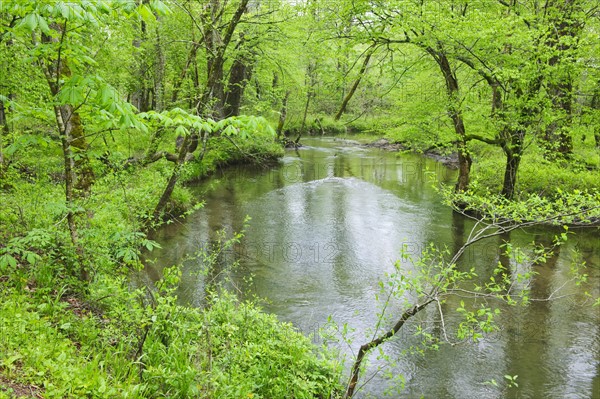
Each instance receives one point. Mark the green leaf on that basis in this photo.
(63, 9)
(31, 258)
(146, 13)
(71, 95)
(43, 24)
(181, 131)
(207, 127)
(160, 7)
(30, 22)
(65, 326)
(7, 260)
(104, 96)
(230, 131)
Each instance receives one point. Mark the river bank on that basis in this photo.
(64, 338)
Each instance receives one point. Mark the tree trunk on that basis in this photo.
(3, 119)
(166, 195)
(464, 168)
(595, 109)
(214, 93)
(140, 97)
(70, 125)
(79, 175)
(216, 43)
(84, 174)
(557, 138)
(240, 74)
(64, 120)
(304, 116)
(510, 174)
(562, 25)
(194, 98)
(455, 113)
(4, 129)
(3, 132)
(310, 82)
(159, 74)
(361, 73)
(282, 115)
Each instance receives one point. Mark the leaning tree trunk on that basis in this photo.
(361, 74)
(214, 93)
(166, 195)
(216, 42)
(188, 64)
(140, 97)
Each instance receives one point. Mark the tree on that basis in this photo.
(595, 111)
(363, 69)
(56, 31)
(418, 26)
(218, 35)
(438, 53)
(564, 26)
(190, 129)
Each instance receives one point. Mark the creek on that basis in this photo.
(327, 224)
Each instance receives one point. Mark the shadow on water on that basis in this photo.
(330, 221)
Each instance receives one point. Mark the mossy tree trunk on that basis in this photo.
(561, 40)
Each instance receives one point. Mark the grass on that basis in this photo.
(71, 348)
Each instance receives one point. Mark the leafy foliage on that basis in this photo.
(112, 89)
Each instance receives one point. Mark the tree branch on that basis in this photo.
(366, 348)
(487, 140)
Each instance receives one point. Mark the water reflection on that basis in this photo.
(329, 222)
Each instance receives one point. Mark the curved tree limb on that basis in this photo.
(366, 348)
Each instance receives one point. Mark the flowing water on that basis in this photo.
(326, 226)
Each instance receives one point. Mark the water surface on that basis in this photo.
(329, 222)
